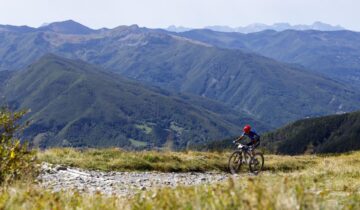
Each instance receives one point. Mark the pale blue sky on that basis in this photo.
(190, 13)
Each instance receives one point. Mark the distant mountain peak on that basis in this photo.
(174, 28)
(133, 27)
(44, 24)
(257, 27)
(326, 27)
(65, 22)
(67, 27)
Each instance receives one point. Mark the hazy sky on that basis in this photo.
(190, 13)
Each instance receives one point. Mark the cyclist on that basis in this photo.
(252, 135)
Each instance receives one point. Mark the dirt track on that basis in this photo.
(59, 178)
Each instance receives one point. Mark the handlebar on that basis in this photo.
(242, 146)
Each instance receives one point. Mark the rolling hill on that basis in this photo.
(76, 104)
(329, 134)
(331, 53)
(265, 89)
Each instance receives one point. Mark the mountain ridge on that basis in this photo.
(257, 27)
(73, 27)
(333, 54)
(243, 81)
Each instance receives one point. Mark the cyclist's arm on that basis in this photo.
(240, 138)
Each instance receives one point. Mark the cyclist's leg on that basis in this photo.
(251, 146)
(254, 144)
(257, 143)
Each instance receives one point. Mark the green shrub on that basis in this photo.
(15, 160)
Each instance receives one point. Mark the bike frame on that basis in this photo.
(247, 151)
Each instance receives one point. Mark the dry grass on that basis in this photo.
(326, 182)
(250, 193)
(119, 160)
(30, 197)
(300, 182)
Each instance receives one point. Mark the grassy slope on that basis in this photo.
(323, 182)
(120, 160)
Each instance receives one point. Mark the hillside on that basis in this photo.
(332, 53)
(4, 76)
(267, 90)
(330, 134)
(75, 104)
(245, 82)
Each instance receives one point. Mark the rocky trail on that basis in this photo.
(56, 178)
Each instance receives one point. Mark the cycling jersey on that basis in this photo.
(252, 135)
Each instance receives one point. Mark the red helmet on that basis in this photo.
(247, 128)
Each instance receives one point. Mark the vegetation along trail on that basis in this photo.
(288, 182)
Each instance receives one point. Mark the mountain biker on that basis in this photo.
(252, 135)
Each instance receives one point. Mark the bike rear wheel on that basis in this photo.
(235, 162)
(256, 163)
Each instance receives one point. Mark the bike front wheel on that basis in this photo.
(256, 163)
(235, 162)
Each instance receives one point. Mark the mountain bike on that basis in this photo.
(245, 155)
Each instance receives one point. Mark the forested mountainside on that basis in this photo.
(330, 134)
(76, 104)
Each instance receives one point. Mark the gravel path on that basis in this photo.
(58, 178)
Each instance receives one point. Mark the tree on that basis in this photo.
(15, 160)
